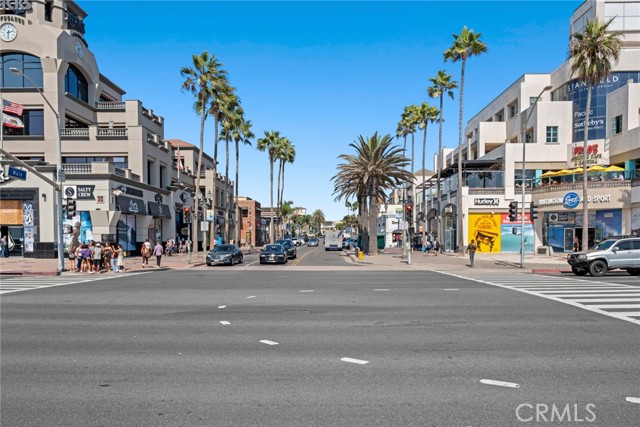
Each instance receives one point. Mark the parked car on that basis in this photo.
(292, 252)
(297, 241)
(273, 254)
(313, 242)
(622, 252)
(224, 254)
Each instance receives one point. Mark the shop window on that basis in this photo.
(33, 124)
(513, 109)
(30, 65)
(75, 84)
(552, 134)
(617, 125)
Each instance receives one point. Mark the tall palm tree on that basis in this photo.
(376, 167)
(270, 144)
(442, 85)
(286, 154)
(239, 130)
(199, 81)
(231, 108)
(317, 218)
(593, 52)
(465, 45)
(425, 114)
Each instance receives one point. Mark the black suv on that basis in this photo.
(619, 252)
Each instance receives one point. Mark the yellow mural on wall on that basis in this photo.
(485, 230)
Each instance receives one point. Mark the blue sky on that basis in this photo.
(321, 73)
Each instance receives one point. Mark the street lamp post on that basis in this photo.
(522, 183)
(59, 172)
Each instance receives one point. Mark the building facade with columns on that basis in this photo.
(118, 168)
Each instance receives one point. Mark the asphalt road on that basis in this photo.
(197, 348)
(307, 257)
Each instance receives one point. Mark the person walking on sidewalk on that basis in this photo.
(436, 246)
(4, 247)
(471, 249)
(146, 253)
(97, 259)
(157, 251)
(120, 255)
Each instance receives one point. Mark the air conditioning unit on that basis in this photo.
(553, 217)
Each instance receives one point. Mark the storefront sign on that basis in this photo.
(15, 5)
(571, 200)
(485, 230)
(449, 209)
(594, 155)
(158, 210)
(486, 201)
(133, 191)
(130, 205)
(85, 192)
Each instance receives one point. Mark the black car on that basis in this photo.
(273, 254)
(224, 254)
(292, 252)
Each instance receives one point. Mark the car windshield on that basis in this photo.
(604, 245)
(223, 248)
(273, 248)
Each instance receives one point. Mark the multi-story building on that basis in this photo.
(536, 125)
(117, 165)
(251, 224)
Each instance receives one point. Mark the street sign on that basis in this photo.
(17, 173)
(61, 176)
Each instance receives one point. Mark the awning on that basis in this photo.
(130, 205)
(158, 210)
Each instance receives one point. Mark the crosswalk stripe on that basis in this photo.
(570, 291)
(19, 284)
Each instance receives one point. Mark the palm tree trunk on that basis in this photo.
(439, 168)
(194, 224)
(214, 193)
(278, 200)
(226, 205)
(271, 240)
(373, 225)
(238, 215)
(424, 187)
(459, 231)
(585, 183)
(364, 222)
(282, 164)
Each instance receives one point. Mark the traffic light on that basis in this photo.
(533, 211)
(186, 211)
(71, 208)
(409, 211)
(513, 211)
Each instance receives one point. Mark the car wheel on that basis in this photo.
(634, 271)
(598, 268)
(241, 260)
(209, 264)
(579, 271)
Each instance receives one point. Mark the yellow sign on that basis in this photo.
(485, 230)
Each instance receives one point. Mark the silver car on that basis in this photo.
(622, 253)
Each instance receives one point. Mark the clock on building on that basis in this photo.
(8, 32)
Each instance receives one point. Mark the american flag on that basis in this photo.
(179, 160)
(12, 107)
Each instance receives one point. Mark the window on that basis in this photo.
(75, 84)
(33, 124)
(552, 134)
(70, 122)
(30, 65)
(513, 109)
(48, 9)
(528, 136)
(119, 162)
(617, 125)
(500, 116)
(624, 246)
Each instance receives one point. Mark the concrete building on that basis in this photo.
(117, 165)
(551, 130)
(252, 225)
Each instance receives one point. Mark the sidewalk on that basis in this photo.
(48, 267)
(393, 258)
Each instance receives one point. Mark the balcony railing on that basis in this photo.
(74, 132)
(116, 132)
(76, 167)
(116, 105)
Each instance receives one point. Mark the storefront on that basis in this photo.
(449, 227)
(610, 214)
(161, 217)
(18, 215)
(130, 211)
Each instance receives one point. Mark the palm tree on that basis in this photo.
(231, 108)
(377, 166)
(270, 144)
(425, 114)
(286, 154)
(442, 85)
(317, 218)
(593, 53)
(285, 212)
(199, 81)
(465, 45)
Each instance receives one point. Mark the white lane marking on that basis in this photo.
(570, 296)
(451, 289)
(268, 342)
(358, 361)
(583, 300)
(381, 290)
(633, 399)
(608, 306)
(252, 296)
(222, 306)
(307, 290)
(500, 383)
(224, 322)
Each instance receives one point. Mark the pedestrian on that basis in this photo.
(86, 258)
(72, 258)
(112, 257)
(97, 258)
(146, 253)
(157, 251)
(120, 254)
(576, 244)
(4, 247)
(436, 247)
(78, 254)
(471, 249)
(170, 244)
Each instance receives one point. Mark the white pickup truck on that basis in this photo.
(333, 241)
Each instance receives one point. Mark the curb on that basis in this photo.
(29, 273)
(549, 270)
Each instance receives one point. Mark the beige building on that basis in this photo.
(118, 168)
(546, 113)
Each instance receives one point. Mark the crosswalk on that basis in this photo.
(29, 283)
(617, 300)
